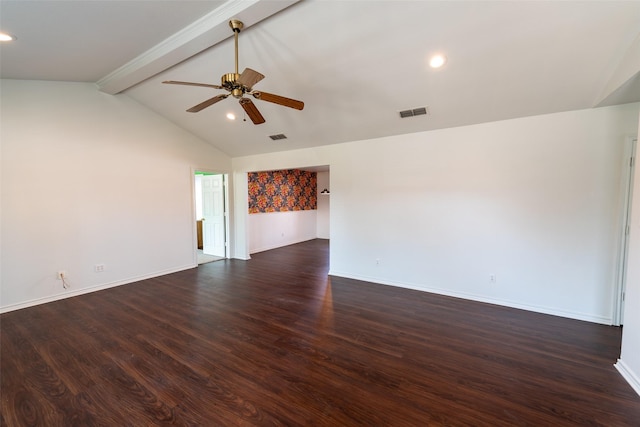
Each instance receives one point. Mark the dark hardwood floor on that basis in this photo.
(274, 341)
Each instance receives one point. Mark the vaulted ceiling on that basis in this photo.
(355, 64)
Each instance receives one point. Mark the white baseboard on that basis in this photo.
(74, 293)
(537, 309)
(628, 375)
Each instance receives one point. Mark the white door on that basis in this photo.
(213, 225)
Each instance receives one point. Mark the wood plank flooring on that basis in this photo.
(274, 341)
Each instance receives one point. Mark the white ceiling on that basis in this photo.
(85, 40)
(355, 64)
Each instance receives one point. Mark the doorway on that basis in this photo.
(276, 228)
(211, 202)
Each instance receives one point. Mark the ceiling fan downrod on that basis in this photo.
(232, 79)
(236, 26)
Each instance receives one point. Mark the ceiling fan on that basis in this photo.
(240, 85)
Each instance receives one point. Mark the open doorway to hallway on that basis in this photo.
(211, 202)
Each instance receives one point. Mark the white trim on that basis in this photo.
(473, 297)
(628, 375)
(226, 182)
(75, 293)
(626, 196)
(207, 31)
(194, 225)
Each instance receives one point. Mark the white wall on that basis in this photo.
(90, 178)
(533, 201)
(275, 229)
(629, 363)
(324, 205)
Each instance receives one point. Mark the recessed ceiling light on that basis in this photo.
(231, 116)
(437, 61)
(4, 37)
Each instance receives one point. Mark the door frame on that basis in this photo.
(626, 184)
(227, 207)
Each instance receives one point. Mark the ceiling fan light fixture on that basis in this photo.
(437, 61)
(231, 116)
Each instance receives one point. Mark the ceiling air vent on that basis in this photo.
(414, 112)
(278, 136)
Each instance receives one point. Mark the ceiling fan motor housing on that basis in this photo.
(230, 82)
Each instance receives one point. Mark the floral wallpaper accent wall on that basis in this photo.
(282, 191)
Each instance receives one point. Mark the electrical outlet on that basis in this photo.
(492, 278)
(61, 274)
(377, 261)
(98, 268)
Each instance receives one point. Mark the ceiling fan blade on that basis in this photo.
(280, 100)
(252, 111)
(207, 103)
(249, 77)
(174, 82)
